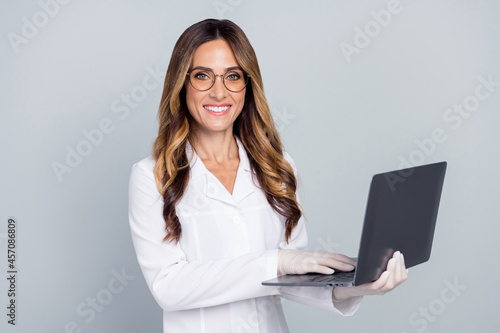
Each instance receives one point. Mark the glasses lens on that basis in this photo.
(201, 79)
(235, 80)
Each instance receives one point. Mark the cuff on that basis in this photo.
(348, 306)
(272, 264)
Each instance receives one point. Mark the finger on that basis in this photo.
(390, 282)
(378, 285)
(404, 271)
(318, 268)
(330, 262)
(391, 264)
(335, 256)
(398, 274)
(343, 258)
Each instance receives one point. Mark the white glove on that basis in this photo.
(395, 274)
(301, 262)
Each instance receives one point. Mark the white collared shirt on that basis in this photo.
(211, 280)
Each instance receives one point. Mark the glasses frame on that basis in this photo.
(221, 76)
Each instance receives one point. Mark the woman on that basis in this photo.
(214, 211)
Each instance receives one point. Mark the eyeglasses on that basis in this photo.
(202, 79)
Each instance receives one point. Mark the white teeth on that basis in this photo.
(217, 108)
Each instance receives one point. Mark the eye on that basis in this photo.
(233, 76)
(201, 76)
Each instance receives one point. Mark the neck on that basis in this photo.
(218, 147)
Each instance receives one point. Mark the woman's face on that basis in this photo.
(215, 109)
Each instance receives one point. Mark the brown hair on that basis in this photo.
(254, 127)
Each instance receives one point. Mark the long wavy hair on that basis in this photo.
(254, 127)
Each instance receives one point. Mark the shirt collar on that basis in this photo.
(198, 168)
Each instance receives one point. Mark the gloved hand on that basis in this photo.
(395, 274)
(301, 262)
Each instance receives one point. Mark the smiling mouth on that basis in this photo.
(217, 109)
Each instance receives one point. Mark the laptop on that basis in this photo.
(400, 215)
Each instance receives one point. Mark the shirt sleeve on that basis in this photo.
(320, 297)
(175, 283)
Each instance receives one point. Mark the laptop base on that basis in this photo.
(337, 279)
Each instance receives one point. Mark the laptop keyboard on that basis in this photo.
(337, 276)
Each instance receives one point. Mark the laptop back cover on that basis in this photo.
(400, 216)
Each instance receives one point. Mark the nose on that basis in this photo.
(218, 90)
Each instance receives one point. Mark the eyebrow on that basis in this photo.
(210, 69)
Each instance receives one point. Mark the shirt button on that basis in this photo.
(212, 189)
(236, 219)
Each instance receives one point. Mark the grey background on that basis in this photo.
(342, 121)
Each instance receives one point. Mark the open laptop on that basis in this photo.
(400, 216)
